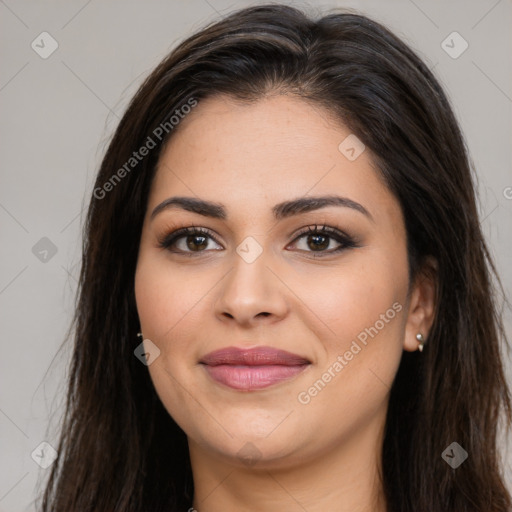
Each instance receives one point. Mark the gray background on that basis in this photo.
(58, 113)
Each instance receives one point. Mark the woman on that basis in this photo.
(286, 299)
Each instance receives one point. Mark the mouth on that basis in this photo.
(252, 369)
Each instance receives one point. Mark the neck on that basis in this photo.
(345, 478)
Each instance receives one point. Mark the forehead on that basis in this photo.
(247, 154)
(276, 129)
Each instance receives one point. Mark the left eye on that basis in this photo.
(319, 240)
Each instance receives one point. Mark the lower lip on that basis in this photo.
(247, 378)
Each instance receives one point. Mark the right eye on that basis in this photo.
(187, 240)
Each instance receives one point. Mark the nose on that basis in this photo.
(251, 293)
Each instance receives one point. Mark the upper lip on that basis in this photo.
(258, 356)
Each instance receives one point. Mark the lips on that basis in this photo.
(252, 369)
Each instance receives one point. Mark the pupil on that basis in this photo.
(192, 239)
(320, 245)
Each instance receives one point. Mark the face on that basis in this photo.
(277, 323)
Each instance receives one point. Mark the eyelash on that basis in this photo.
(347, 242)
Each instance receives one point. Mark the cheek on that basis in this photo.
(168, 308)
(153, 298)
(365, 311)
(358, 297)
(164, 298)
(363, 308)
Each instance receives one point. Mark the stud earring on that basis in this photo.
(421, 341)
(139, 334)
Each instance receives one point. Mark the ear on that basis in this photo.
(422, 304)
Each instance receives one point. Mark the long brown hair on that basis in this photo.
(119, 449)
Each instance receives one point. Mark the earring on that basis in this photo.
(421, 341)
(139, 334)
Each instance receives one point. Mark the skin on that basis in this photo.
(323, 455)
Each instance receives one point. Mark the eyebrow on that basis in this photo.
(280, 211)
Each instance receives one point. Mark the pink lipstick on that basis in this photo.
(251, 369)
